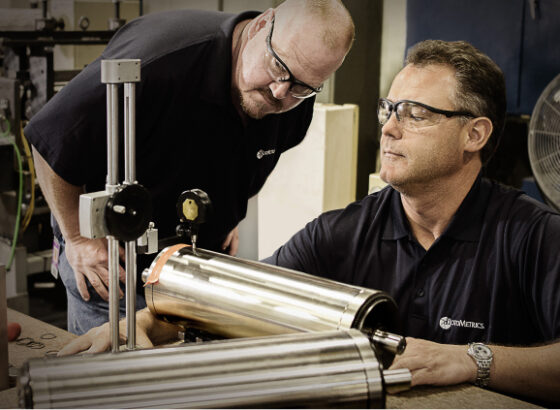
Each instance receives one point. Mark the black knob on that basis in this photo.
(128, 212)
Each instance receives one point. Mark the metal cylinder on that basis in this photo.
(110, 187)
(397, 380)
(233, 297)
(130, 132)
(130, 263)
(130, 178)
(112, 137)
(328, 369)
(113, 263)
(389, 341)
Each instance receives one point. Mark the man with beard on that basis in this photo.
(210, 83)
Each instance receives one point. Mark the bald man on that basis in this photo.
(217, 91)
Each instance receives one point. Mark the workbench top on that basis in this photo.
(52, 339)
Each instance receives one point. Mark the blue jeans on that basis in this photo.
(82, 315)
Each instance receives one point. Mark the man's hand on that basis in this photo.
(150, 331)
(89, 259)
(232, 241)
(98, 340)
(436, 364)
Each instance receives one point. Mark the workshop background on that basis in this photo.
(336, 163)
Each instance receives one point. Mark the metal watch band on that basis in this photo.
(482, 374)
(482, 364)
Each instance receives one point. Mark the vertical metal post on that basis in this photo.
(110, 187)
(113, 246)
(130, 178)
(112, 137)
(130, 132)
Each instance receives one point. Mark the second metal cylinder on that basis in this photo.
(328, 369)
(233, 297)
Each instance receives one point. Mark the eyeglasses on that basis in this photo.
(413, 115)
(281, 73)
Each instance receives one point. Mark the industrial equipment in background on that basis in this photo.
(27, 58)
(28, 79)
(544, 143)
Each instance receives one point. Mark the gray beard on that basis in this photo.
(250, 108)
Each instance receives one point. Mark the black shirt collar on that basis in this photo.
(465, 225)
(396, 225)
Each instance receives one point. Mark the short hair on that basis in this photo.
(481, 87)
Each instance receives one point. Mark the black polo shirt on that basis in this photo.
(492, 276)
(188, 132)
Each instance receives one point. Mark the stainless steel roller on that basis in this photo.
(233, 297)
(327, 369)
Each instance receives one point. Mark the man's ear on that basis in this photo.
(478, 132)
(259, 23)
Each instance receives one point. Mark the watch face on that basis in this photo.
(482, 352)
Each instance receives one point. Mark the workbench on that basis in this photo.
(53, 339)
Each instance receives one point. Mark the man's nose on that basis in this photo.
(280, 90)
(392, 128)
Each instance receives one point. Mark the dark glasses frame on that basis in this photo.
(394, 106)
(292, 79)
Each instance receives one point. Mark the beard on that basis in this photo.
(256, 108)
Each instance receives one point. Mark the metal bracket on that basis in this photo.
(92, 214)
(148, 242)
(120, 71)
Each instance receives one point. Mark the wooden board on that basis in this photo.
(51, 337)
(32, 330)
(316, 176)
(462, 396)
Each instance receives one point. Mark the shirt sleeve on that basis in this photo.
(70, 132)
(309, 249)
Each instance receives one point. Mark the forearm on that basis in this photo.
(525, 371)
(531, 371)
(62, 197)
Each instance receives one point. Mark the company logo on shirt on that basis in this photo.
(261, 153)
(445, 323)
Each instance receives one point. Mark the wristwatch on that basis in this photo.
(482, 355)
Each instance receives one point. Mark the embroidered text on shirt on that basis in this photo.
(261, 153)
(446, 323)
